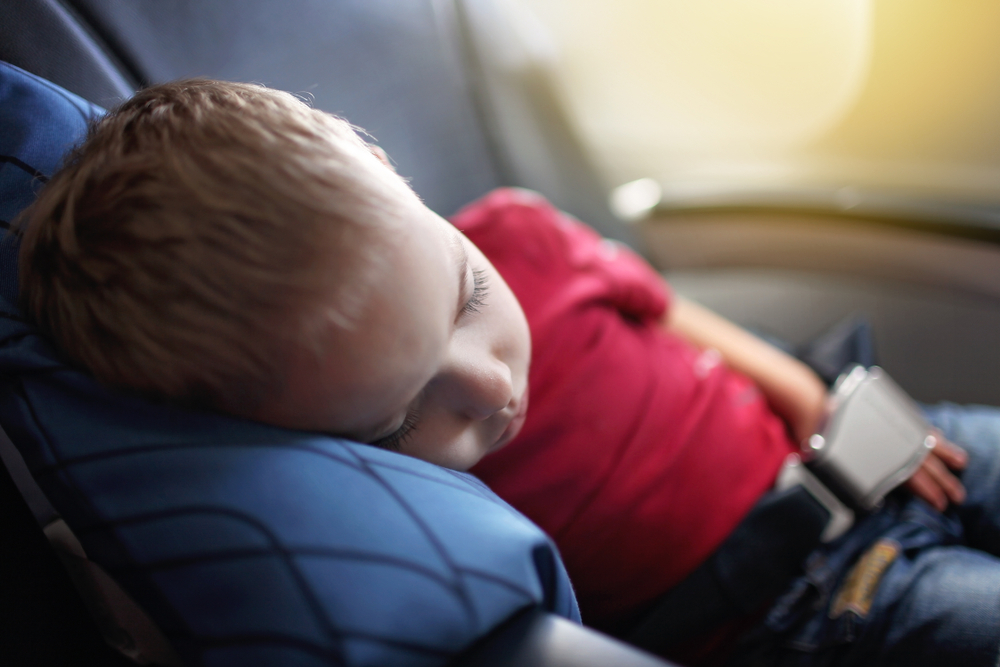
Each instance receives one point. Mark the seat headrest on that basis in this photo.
(250, 544)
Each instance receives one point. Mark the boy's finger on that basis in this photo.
(953, 456)
(946, 481)
(925, 488)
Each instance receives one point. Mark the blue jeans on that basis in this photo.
(906, 585)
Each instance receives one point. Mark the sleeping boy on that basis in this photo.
(226, 247)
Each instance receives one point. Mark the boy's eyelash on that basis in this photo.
(396, 439)
(480, 288)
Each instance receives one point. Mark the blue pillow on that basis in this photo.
(251, 545)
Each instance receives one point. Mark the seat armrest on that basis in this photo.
(534, 638)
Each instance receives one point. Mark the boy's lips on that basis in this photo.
(516, 422)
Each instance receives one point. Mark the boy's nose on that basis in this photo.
(480, 386)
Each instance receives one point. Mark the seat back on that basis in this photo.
(393, 67)
(431, 80)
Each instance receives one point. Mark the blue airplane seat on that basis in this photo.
(239, 539)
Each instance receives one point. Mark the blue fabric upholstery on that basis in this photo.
(251, 545)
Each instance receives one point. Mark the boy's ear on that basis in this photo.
(381, 155)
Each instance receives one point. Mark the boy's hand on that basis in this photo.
(933, 481)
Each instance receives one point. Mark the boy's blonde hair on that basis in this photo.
(200, 230)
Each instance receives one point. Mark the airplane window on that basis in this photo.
(839, 104)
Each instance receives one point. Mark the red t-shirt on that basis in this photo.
(640, 453)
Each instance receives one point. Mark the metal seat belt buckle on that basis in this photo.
(794, 472)
(875, 439)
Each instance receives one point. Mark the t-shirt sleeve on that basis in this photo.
(531, 241)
